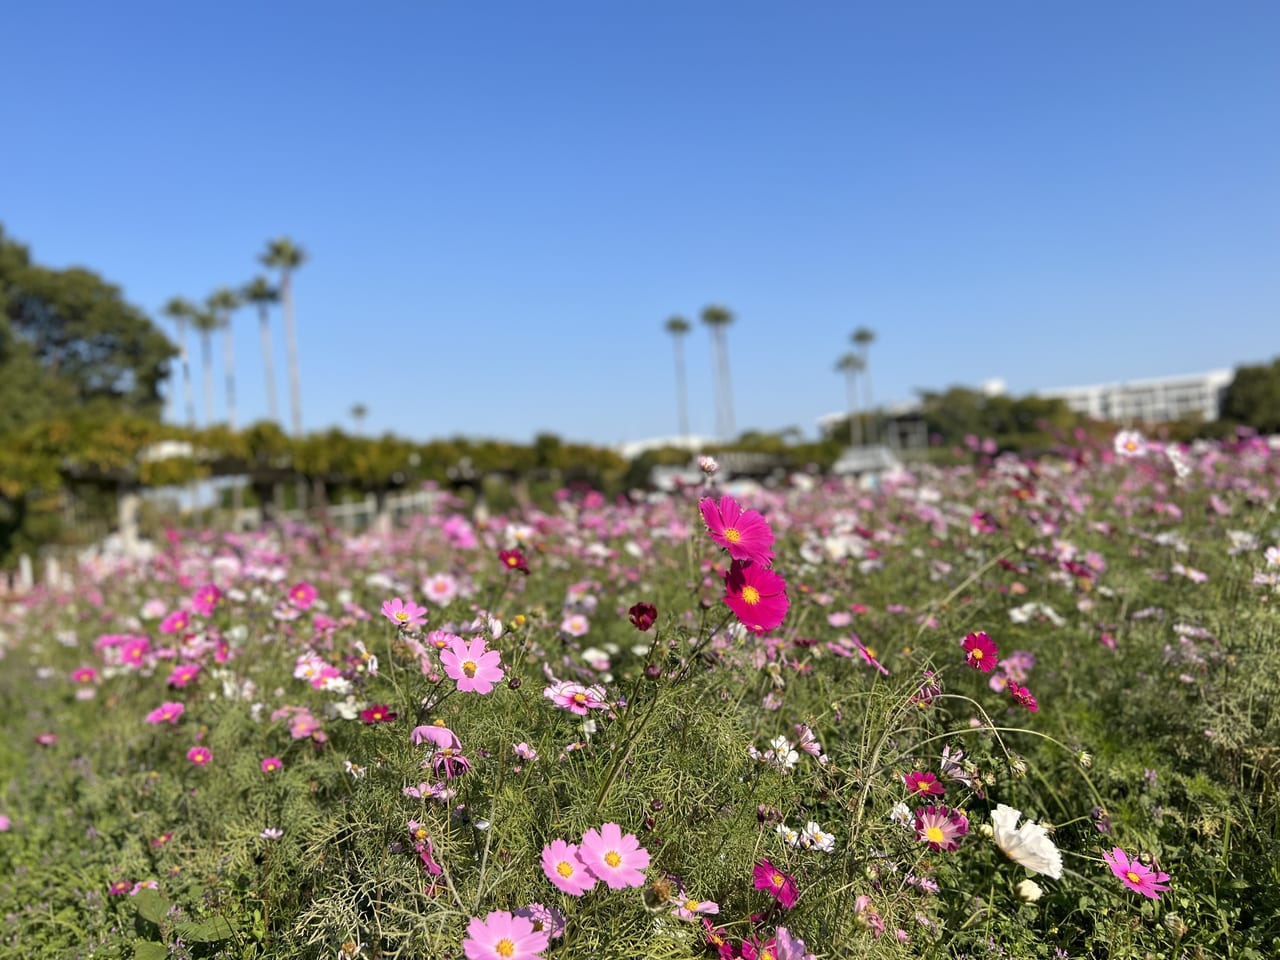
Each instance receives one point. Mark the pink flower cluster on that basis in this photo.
(756, 594)
(605, 855)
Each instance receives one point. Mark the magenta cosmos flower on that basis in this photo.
(941, 827)
(781, 886)
(501, 936)
(575, 697)
(564, 867)
(176, 622)
(378, 713)
(744, 533)
(200, 756)
(475, 668)
(166, 713)
(404, 614)
(980, 652)
(1022, 697)
(1135, 875)
(758, 596)
(923, 784)
(302, 595)
(271, 764)
(613, 857)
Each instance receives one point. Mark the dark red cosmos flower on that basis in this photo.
(643, 615)
(378, 713)
(513, 560)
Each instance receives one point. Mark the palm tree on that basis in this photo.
(181, 311)
(717, 319)
(223, 303)
(851, 365)
(358, 412)
(284, 255)
(205, 322)
(862, 338)
(262, 294)
(678, 327)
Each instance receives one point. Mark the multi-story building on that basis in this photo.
(1150, 401)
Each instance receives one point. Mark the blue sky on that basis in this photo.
(504, 202)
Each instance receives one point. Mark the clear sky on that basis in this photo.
(503, 202)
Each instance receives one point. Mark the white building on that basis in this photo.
(1150, 401)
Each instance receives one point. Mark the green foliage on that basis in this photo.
(1026, 423)
(1253, 397)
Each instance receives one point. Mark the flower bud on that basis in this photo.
(1030, 891)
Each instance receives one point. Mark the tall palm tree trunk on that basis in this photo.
(229, 360)
(187, 390)
(291, 342)
(855, 425)
(726, 384)
(867, 400)
(206, 355)
(682, 392)
(268, 368)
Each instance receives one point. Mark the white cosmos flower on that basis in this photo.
(1028, 845)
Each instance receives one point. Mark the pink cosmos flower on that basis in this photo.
(176, 622)
(924, 784)
(941, 827)
(84, 675)
(575, 697)
(744, 533)
(436, 734)
(786, 946)
(1135, 875)
(205, 599)
(687, 908)
(303, 725)
(450, 763)
(613, 857)
(403, 614)
(564, 867)
(271, 764)
(758, 596)
(302, 595)
(781, 886)
(980, 652)
(475, 668)
(514, 560)
(183, 674)
(1023, 698)
(440, 589)
(166, 713)
(200, 756)
(501, 936)
(575, 625)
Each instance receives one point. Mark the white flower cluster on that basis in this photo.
(812, 837)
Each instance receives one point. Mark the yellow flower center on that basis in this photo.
(469, 667)
(1133, 877)
(504, 948)
(767, 954)
(401, 615)
(691, 905)
(977, 653)
(613, 858)
(420, 833)
(732, 534)
(750, 595)
(579, 698)
(934, 834)
(778, 880)
(565, 869)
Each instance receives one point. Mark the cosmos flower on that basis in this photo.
(1135, 875)
(980, 652)
(744, 533)
(781, 886)
(614, 857)
(404, 615)
(474, 668)
(941, 827)
(643, 615)
(563, 866)
(514, 560)
(758, 596)
(501, 936)
(1028, 845)
(923, 784)
(200, 756)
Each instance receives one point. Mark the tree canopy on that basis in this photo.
(1253, 398)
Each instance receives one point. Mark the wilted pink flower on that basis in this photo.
(436, 734)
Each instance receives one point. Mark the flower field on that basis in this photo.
(1013, 709)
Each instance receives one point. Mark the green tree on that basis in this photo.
(262, 295)
(863, 338)
(284, 255)
(1253, 397)
(92, 349)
